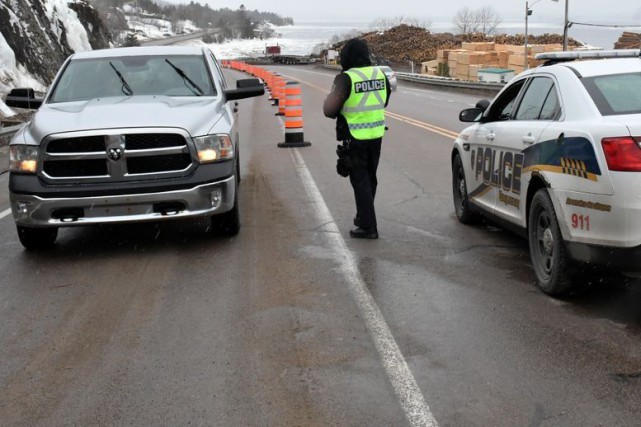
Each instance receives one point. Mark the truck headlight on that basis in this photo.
(212, 148)
(23, 158)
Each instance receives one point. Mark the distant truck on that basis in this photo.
(272, 50)
(275, 55)
(292, 59)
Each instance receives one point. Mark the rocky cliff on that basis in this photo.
(42, 33)
(97, 31)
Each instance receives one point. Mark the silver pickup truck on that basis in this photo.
(127, 135)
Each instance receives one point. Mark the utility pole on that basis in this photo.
(566, 25)
(527, 15)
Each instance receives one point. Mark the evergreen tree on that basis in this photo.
(131, 40)
(244, 23)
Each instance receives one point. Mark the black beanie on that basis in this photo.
(355, 53)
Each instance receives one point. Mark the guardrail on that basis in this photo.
(449, 82)
(441, 81)
(179, 38)
(7, 133)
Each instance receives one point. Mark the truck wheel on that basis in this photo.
(552, 264)
(37, 238)
(227, 224)
(237, 169)
(459, 189)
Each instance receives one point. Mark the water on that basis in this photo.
(309, 37)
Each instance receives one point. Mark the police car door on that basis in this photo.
(537, 108)
(482, 182)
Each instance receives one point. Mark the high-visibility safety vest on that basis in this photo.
(364, 110)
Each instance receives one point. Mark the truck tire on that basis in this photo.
(227, 224)
(37, 238)
(552, 265)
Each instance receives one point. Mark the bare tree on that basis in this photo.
(487, 19)
(484, 20)
(384, 24)
(465, 20)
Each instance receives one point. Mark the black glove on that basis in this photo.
(343, 164)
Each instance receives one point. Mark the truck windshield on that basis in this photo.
(175, 75)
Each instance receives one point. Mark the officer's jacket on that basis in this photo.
(364, 109)
(341, 90)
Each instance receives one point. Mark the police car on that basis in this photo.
(556, 156)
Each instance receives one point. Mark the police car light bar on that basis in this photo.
(588, 54)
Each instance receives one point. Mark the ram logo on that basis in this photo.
(115, 153)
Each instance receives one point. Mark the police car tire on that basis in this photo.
(37, 238)
(463, 211)
(552, 264)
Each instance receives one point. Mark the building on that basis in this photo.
(495, 75)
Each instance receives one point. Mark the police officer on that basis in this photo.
(357, 101)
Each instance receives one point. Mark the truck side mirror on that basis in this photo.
(245, 88)
(23, 98)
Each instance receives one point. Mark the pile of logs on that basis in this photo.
(628, 40)
(408, 43)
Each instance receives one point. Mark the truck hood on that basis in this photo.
(195, 115)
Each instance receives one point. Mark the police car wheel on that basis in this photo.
(459, 190)
(552, 264)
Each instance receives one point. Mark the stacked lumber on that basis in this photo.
(464, 63)
(628, 40)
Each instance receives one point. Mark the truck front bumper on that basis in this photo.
(201, 200)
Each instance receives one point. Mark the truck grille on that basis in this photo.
(116, 157)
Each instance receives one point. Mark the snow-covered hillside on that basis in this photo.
(147, 26)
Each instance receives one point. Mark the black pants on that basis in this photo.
(364, 155)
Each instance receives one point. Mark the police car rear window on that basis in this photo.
(615, 94)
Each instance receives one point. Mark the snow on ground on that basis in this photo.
(149, 28)
(254, 48)
(188, 26)
(5, 111)
(13, 75)
(74, 31)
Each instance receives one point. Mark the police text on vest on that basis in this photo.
(369, 86)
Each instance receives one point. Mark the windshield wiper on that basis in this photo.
(125, 88)
(185, 78)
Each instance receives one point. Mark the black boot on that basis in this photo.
(364, 233)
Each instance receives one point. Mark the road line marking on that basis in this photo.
(423, 125)
(441, 131)
(5, 213)
(407, 391)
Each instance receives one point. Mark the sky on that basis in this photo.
(592, 11)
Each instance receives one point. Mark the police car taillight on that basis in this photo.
(623, 153)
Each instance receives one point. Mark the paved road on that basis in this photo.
(293, 323)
